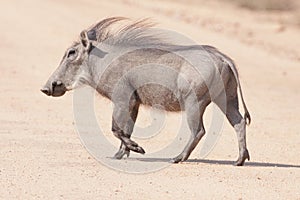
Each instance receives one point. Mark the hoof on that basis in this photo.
(119, 155)
(241, 159)
(137, 149)
(177, 159)
(133, 146)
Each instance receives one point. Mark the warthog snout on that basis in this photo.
(56, 89)
(46, 91)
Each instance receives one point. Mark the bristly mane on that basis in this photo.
(139, 32)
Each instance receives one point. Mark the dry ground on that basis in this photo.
(41, 154)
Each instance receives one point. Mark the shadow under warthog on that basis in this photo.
(218, 162)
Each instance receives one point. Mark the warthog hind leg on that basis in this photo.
(239, 124)
(242, 157)
(240, 128)
(194, 111)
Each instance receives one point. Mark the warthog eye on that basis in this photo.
(71, 53)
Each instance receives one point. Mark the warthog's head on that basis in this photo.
(72, 71)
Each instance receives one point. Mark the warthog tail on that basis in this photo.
(247, 116)
(232, 66)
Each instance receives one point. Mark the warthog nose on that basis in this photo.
(46, 91)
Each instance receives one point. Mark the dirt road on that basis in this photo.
(41, 154)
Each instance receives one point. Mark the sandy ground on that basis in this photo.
(42, 156)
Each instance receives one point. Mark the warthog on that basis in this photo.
(150, 71)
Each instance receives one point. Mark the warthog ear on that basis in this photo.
(86, 43)
(92, 35)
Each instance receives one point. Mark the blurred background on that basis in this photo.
(41, 154)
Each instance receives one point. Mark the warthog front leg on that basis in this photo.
(130, 144)
(122, 127)
(124, 150)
